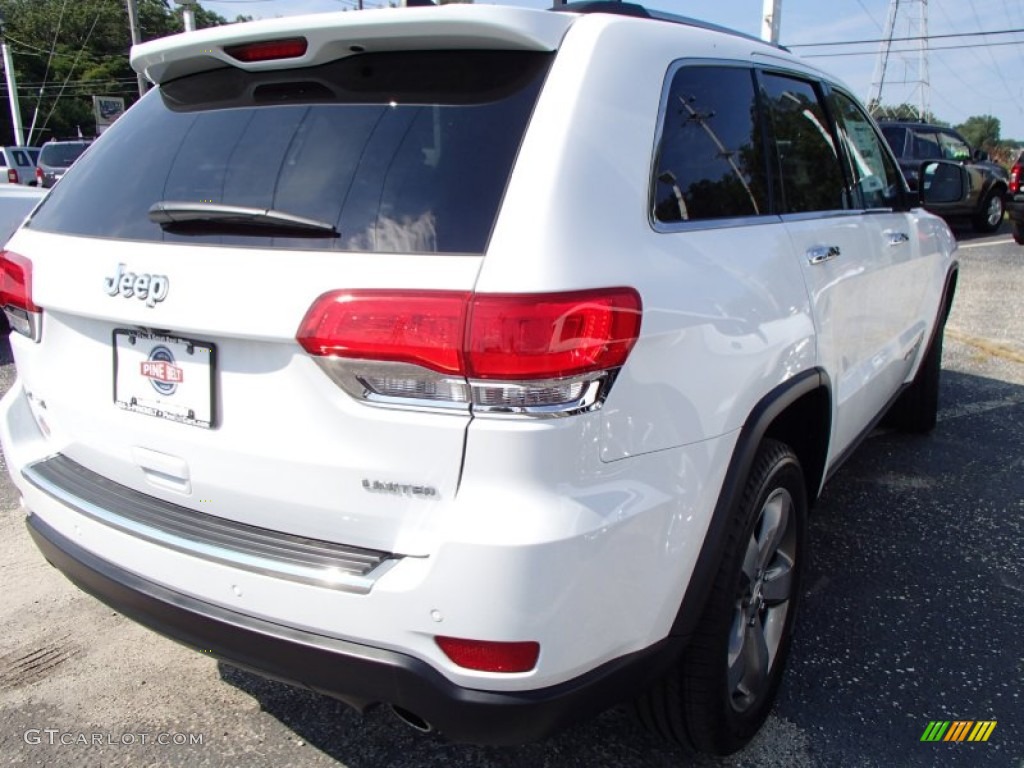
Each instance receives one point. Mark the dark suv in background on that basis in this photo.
(1015, 199)
(987, 182)
(56, 157)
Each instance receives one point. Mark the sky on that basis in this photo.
(981, 75)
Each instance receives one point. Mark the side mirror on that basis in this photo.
(980, 156)
(941, 182)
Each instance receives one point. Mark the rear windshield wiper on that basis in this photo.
(186, 217)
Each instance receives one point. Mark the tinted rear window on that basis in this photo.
(61, 155)
(401, 152)
(896, 136)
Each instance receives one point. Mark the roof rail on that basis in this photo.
(619, 8)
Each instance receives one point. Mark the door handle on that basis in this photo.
(896, 238)
(819, 254)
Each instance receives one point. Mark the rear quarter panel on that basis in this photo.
(725, 311)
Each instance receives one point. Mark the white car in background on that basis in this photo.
(478, 361)
(18, 165)
(16, 202)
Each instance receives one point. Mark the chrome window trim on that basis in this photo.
(725, 222)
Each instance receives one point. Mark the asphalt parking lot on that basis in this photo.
(911, 615)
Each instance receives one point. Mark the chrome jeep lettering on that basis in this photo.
(151, 289)
(159, 285)
(128, 284)
(113, 284)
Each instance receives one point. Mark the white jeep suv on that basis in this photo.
(478, 361)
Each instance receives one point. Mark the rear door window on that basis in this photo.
(710, 161)
(877, 181)
(953, 147)
(926, 145)
(401, 152)
(896, 135)
(809, 166)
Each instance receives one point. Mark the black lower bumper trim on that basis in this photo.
(357, 674)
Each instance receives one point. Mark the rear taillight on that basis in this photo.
(489, 655)
(39, 176)
(268, 50)
(16, 294)
(12, 176)
(1015, 178)
(535, 354)
(416, 327)
(550, 336)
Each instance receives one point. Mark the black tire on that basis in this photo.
(723, 687)
(990, 215)
(1018, 232)
(917, 408)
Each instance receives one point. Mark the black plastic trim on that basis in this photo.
(850, 449)
(357, 674)
(751, 435)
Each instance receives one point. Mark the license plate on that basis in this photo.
(164, 376)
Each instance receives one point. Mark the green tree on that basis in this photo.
(67, 51)
(981, 131)
(903, 111)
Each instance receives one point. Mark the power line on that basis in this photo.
(34, 50)
(903, 50)
(995, 64)
(85, 42)
(868, 14)
(912, 39)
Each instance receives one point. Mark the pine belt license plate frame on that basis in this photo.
(168, 377)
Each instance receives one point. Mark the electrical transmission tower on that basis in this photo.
(907, 26)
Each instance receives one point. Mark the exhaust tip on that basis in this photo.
(411, 719)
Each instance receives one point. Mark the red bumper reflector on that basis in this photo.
(489, 655)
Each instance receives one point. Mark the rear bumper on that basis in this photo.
(1015, 207)
(357, 674)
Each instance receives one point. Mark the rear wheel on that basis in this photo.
(990, 216)
(721, 690)
(1018, 232)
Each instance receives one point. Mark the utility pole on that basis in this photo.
(12, 88)
(771, 21)
(133, 22)
(188, 14)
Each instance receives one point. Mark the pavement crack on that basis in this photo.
(985, 345)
